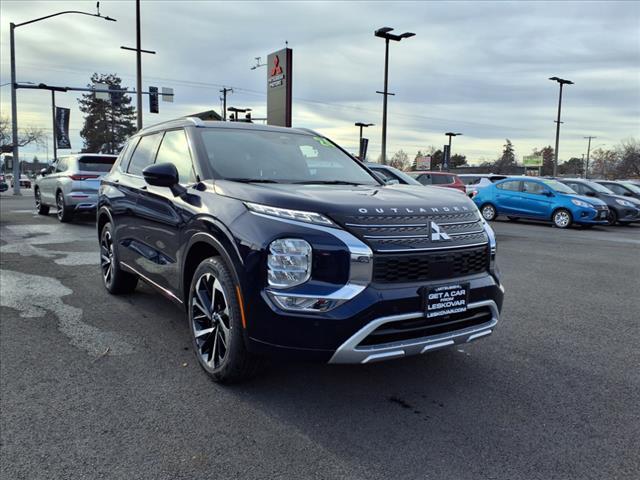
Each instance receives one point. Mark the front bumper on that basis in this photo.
(590, 216)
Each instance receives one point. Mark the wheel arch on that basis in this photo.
(102, 218)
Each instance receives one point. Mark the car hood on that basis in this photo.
(612, 198)
(349, 200)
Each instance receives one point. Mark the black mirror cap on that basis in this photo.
(590, 193)
(161, 175)
(44, 171)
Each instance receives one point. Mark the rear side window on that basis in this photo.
(96, 164)
(175, 149)
(441, 179)
(144, 154)
(513, 186)
(470, 180)
(615, 188)
(533, 187)
(424, 179)
(578, 187)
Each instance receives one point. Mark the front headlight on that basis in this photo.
(624, 203)
(580, 203)
(299, 215)
(289, 262)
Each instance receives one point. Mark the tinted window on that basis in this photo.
(558, 187)
(144, 153)
(470, 180)
(95, 164)
(617, 189)
(579, 188)
(125, 154)
(278, 156)
(175, 149)
(424, 179)
(441, 179)
(513, 186)
(533, 187)
(384, 174)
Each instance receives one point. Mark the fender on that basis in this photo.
(103, 210)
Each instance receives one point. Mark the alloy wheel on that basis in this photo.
(210, 321)
(562, 219)
(488, 212)
(106, 257)
(60, 205)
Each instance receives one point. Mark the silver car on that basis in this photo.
(71, 184)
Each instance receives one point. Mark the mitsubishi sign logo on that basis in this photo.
(437, 234)
(277, 69)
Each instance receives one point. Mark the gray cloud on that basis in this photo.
(476, 67)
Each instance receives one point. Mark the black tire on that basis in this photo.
(114, 279)
(215, 323)
(64, 213)
(488, 212)
(562, 218)
(40, 208)
(612, 218)
(514, 219)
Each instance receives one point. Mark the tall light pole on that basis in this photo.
(14, 104)
(384, 33)
(450, 134)
(586, 168)
(562, 82)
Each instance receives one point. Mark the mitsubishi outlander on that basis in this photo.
(277, 242)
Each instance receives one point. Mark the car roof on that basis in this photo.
(197, 122)
(432, 172)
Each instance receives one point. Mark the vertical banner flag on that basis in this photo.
(364, 143)
(62, 127)
(445, 158)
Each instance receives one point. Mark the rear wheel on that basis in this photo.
(488, 212)
(115, 279)
(215, 320)
(562, 218)
(40, 208)
(64, 213)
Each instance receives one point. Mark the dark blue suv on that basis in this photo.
(277, 242)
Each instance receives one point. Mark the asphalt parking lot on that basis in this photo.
(95, 386)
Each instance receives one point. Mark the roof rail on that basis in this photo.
(177, 122)
(197, 121)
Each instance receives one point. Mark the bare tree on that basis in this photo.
(26, 135)
(400, 160)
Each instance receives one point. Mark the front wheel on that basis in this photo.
(64, 213)
(215, 320)
(40, 208)
(488, 212)
(612, 218)
(562, 218)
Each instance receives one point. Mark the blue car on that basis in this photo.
(540, 199)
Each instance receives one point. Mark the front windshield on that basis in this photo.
(632, 187)
(559, 187)
(599, 188)
(280, 157)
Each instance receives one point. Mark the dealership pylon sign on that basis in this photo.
(279, 87)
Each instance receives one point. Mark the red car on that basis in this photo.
(439, 179)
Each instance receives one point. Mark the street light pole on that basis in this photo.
(384, 33)
(138, 67)
(14, 114)
(562, 82)
(450, 134)
(14, 103)
(53, 116)
(586, 168)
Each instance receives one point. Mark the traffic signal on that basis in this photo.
(153, 100)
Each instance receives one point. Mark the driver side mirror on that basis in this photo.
(44, 172)
(548, 193)
(590, 193)
(164, 175)
(628, 194)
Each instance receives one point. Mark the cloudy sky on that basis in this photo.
(480, 68)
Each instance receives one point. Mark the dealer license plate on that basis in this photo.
(446, 300)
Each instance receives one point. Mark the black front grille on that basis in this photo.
(437, 265)
(425, 327)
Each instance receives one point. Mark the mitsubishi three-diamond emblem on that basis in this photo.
(437, 234)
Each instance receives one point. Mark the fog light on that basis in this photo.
(289, 262)
(308, 304)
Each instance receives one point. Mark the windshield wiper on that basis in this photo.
(327, 182)
(251, 180)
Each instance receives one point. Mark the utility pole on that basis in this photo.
(139, 51)
(586, 168)
(562, 82)
(224, 92)
(384, 33)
